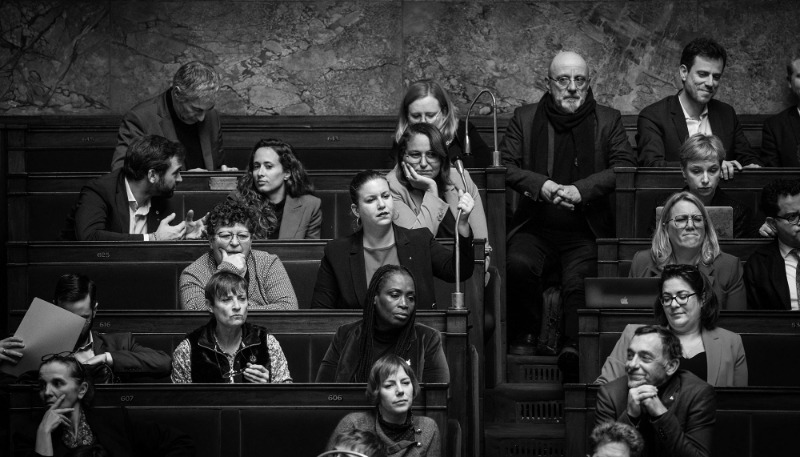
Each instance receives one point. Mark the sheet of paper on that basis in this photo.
(45, 329)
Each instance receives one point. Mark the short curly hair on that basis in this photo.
(774, 190)
(617, 432)
(231, 212)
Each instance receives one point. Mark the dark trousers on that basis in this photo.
(535, 258)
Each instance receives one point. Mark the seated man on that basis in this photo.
(770, 274)
(231, 225)
(664, 126)
(614, 439)
(77, 294)
(133, 203)
(184, 113)
(673, 409)
(780, 137)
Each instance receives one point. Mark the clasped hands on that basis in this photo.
(557, 194)
(645, 395)
(189, 229)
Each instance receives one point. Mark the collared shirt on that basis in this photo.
(138, 214)
(85, 352)
(699, 124)
(791, 272)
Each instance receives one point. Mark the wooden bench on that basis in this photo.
(750, 422)
(637, 190)
(614, 255)
(770, 340)
(241, 420)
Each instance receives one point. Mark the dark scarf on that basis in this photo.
(397, 432)
(581, 124)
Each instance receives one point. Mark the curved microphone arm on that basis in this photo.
(467, 146)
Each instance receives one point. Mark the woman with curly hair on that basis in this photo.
(277, 187)
(231, 225)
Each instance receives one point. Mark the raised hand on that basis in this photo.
(55, 416)
(167, 232)
(418, 181)
(195, 229)
(636, 397)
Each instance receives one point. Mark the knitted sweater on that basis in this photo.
(426, 431)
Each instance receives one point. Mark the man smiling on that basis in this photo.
(663, 126)
(673, 409)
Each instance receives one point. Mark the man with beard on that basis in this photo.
(673, 409)
(780, 141)
(560, 154)
(663, 126)
(77, 294)
(133, 203)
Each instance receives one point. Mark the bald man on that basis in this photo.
(560, 154)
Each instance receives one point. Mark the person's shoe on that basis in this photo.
(524, 344)
(568, 360)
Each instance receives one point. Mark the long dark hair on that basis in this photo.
(297, 185)
(438, 146)
(368, 322)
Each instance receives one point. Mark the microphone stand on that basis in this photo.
(467, 146)
(457, 297)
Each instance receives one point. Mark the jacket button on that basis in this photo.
(419, 430)
(419, 444)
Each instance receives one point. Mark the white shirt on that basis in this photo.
(791, 272)
(697, 125)
(138, 214)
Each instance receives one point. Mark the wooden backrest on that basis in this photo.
(614, 254)
(769, 339)
(750, 422)
(241, 420)
(638, 188)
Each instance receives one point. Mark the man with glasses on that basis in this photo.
(230, 228)
(770, 274)
(664, 126)
(560, 154)
(673, 409)
(133, 203)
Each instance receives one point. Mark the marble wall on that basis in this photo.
(356, 57)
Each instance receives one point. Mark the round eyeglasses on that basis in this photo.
(416, 157)
(564, 81)
(793, 218)
(227, 237)
(682, 220)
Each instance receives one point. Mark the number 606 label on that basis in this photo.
(334, 398)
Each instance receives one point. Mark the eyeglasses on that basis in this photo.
(682, 220)
(793, 218)
(227, 237)
(60, 355)
(681, 299)
(564, 81)
(416, 157)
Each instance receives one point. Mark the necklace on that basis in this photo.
(231, 360)
(690, 349)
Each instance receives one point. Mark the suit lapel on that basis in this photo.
(711, 342)
(292, 216)
(123, 208)
(679, 120)
(405, 251)
(716, 123)
(98, 345)
(204, 130)
(778, 277)
(794, 120)
(358, 269)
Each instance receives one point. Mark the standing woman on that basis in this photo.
(276, 184)
(427, 102)
(349, 262)
(424, 186)
(392, 387)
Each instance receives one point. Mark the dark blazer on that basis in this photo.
(302, 217)
(724, 274)
(102, 212)
(151, 117)
(686, 428)
(765, 279)
(661, 130)
(780, 139)
(426, 355)
(130, 358)
(527, 174)
(117, 433)
(342, 277)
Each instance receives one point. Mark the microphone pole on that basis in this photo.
(467, 146)
(457, 297)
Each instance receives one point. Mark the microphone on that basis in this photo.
(467, 145)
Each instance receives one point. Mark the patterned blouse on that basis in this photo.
(85, 436)
(182, 362)
(270, 287)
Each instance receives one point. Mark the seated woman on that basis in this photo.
(228, 349)
(68, 423)
(685, 235)
(230, 228)
(689, 308)
(701, 164)
(392, 387)
(350, 262)
(427, 102)
(277, 186)
(388, 327)
(424, 186)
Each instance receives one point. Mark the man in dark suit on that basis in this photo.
(184, 113)
(664, 126)
(77, 294)
(780, 138)
(673, 409)
(770, 274)
(133, 203)
(560, 154)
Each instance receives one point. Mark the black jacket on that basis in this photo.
(765, 279)
(780, 139)
(209, 365)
